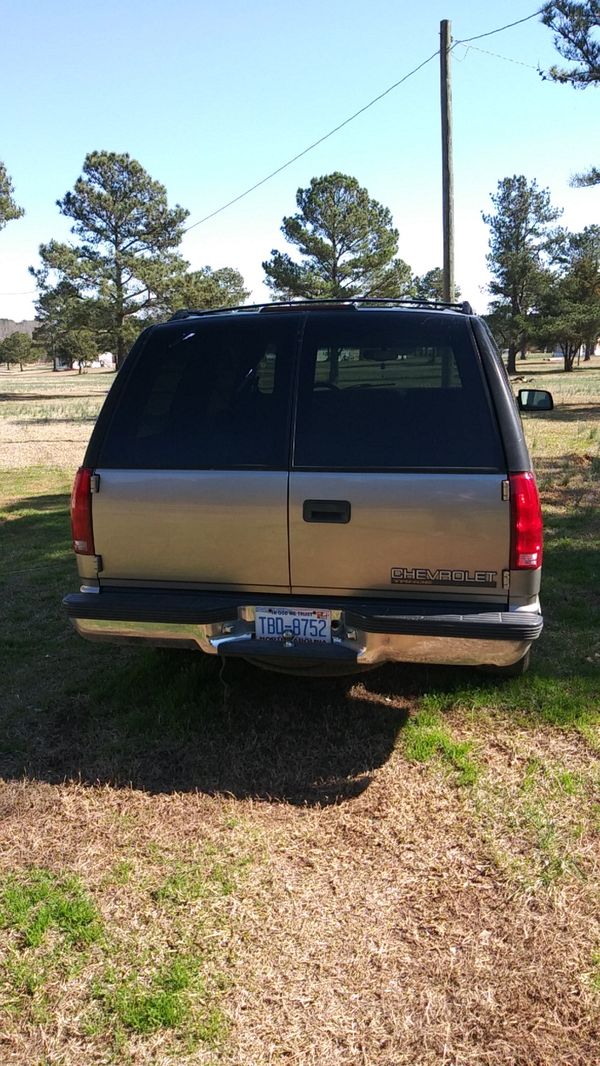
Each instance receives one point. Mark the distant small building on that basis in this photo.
(102, 362)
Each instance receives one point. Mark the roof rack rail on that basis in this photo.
(331, 303)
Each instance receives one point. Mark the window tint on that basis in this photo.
(213, 394)
(392, 390)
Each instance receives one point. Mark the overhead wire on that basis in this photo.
(375, 100)
(500, 29)
(496, 55)
(310, 147)
(351, 118)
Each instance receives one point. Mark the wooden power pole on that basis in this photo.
(447, 167)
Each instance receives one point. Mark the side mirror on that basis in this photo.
(535, 400)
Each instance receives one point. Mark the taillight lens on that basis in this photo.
(81, 512)
(526, 523)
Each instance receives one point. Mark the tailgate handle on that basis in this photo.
(326, 511)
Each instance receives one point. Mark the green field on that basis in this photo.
(206, 866)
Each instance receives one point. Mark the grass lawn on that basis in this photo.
(252, 870)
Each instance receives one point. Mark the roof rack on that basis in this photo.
(330, 305)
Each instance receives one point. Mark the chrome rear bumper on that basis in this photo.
(364, 632)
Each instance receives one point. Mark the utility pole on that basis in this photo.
(447, 166)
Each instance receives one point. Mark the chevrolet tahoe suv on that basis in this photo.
(315, 487)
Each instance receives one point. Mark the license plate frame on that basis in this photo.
(296, 625)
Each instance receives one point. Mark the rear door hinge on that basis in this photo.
(506, 490)
(506, 579)
(95, 483)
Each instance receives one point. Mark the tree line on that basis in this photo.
(124, 270)
(545, 279)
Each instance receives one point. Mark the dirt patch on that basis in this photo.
(46, 419)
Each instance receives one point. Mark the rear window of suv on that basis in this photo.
(377, 390)
(212, 394)
(387, 390)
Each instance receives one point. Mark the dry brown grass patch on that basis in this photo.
(386, 936)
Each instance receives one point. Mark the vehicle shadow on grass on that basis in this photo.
(51, 501)
(34, 532)
(165, 721)
(162, 721)
(180, 721)
(170, 722)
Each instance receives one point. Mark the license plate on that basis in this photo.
(298, 624)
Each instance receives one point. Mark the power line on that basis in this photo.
(346, 122)
(305, 151)
(509, 25)
(496, 55)
(376, 99)
(29, 292)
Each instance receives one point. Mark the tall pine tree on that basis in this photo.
(347, 242)
(125, 255)
(520, 237)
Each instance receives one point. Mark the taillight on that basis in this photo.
(526, 523)
(81, 512)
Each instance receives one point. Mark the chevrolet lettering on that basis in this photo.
(257, 474)
(401, 575)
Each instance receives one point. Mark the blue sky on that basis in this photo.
(211, 97)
